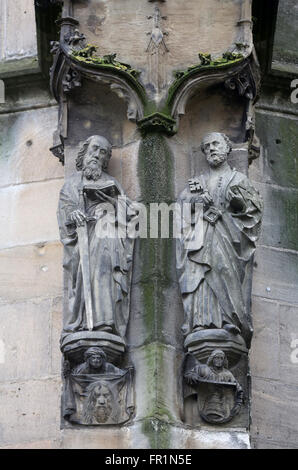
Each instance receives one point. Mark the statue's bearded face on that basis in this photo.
(103, 404)
(216, 149)
(95, 157)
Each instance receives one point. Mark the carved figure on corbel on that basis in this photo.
(219, 394)
(95, 391)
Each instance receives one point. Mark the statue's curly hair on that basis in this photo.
(224, 136)
(83, 150)
(95, 350)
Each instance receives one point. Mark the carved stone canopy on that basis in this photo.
(75, 61)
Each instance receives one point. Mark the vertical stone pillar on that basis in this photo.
(156, 339)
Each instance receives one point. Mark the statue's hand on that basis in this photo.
(77, 217)
(191, 378)
(207, 198)
(236, 200)
(204, 198)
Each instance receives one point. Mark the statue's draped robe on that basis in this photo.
(110, 264)
(215, 278)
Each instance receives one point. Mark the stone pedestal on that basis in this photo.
(73, 345)
(201, 343)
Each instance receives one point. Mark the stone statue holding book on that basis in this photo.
(97, 261)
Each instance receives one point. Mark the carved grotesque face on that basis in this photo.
(96, 361)
(103, 403)
(97, 153)
(215, 148)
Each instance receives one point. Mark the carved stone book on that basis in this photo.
(93, 191)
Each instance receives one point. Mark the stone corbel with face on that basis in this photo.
(97, 392)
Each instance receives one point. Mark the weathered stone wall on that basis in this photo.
(130, 20)
(30, 276)
(30, 253)
(275, 299)
(31, 262)
(14, 43)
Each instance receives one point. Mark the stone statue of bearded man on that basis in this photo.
(84, 200)
(215, 278)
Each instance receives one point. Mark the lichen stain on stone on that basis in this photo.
(206, 62)
(156, 424)
(158, 433)
(155, 169)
